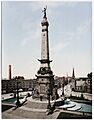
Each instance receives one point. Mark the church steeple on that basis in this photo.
(73, 74)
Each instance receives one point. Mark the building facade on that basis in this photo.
(9, 86)
(83, 85)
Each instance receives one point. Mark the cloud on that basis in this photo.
(29, 37)
(31, 30)
(31, 26)
(25, 41)
(79, 31)
(50, 4)
(70, 36)
(83, 27)
(59, 47)
(71, 4)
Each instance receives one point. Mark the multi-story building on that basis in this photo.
(24, 85)
(83, 85)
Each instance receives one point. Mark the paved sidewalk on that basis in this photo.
(38, 101)
(33, 109)
(24, 114)
(10, 116)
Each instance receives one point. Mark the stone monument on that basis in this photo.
(45, 78)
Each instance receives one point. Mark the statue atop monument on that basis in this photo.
(45, 11)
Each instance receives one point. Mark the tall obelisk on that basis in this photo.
(45, 77)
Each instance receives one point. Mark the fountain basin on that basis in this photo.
(68, 105)
(76, 107)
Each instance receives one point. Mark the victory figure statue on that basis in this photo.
(45, 12)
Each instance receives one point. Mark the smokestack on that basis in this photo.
(9, 72)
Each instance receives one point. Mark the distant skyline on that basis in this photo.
(70, 37)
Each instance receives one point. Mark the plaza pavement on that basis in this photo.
(34, 109)
(23, 113)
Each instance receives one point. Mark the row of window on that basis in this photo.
(12, 84)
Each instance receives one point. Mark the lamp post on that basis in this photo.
(63, 89)
(18, 102)
(48, 95)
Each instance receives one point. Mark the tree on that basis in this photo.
(89, 75)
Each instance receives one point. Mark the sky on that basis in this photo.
(70, 37)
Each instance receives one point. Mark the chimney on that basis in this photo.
(9, 72)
